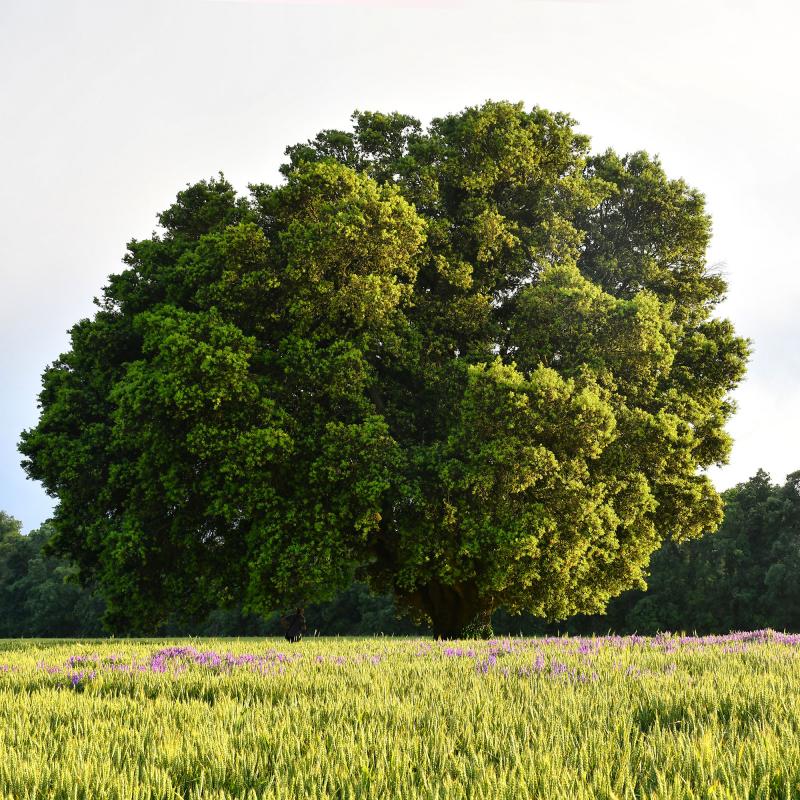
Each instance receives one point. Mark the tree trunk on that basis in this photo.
(457, 612)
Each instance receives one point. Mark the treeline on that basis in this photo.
(38, 593)
(744, 576)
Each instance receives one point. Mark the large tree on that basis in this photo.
(473, 364)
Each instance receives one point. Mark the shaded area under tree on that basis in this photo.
(743, 577)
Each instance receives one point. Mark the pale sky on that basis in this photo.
(109, 107)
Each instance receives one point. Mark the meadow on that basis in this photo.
(607, 717)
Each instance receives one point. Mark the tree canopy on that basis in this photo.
(472, 364)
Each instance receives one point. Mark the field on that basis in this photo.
(668, 717)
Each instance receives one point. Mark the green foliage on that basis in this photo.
(39, 595)
(472, 364)
(742, 577)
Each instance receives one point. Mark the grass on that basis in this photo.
(565, 718)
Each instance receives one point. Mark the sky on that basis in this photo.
(109, 107)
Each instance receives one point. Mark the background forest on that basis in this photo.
(742, 577)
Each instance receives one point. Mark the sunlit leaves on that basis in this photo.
(471, 361)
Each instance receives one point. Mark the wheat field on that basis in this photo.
(607, 717)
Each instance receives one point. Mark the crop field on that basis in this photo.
(610, 717)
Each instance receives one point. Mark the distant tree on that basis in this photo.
(472, 365)
(782, 575)
(14, 556)
(38, 594)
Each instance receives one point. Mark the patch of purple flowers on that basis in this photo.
(77, 679)
(484, 666)
(568, 658)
